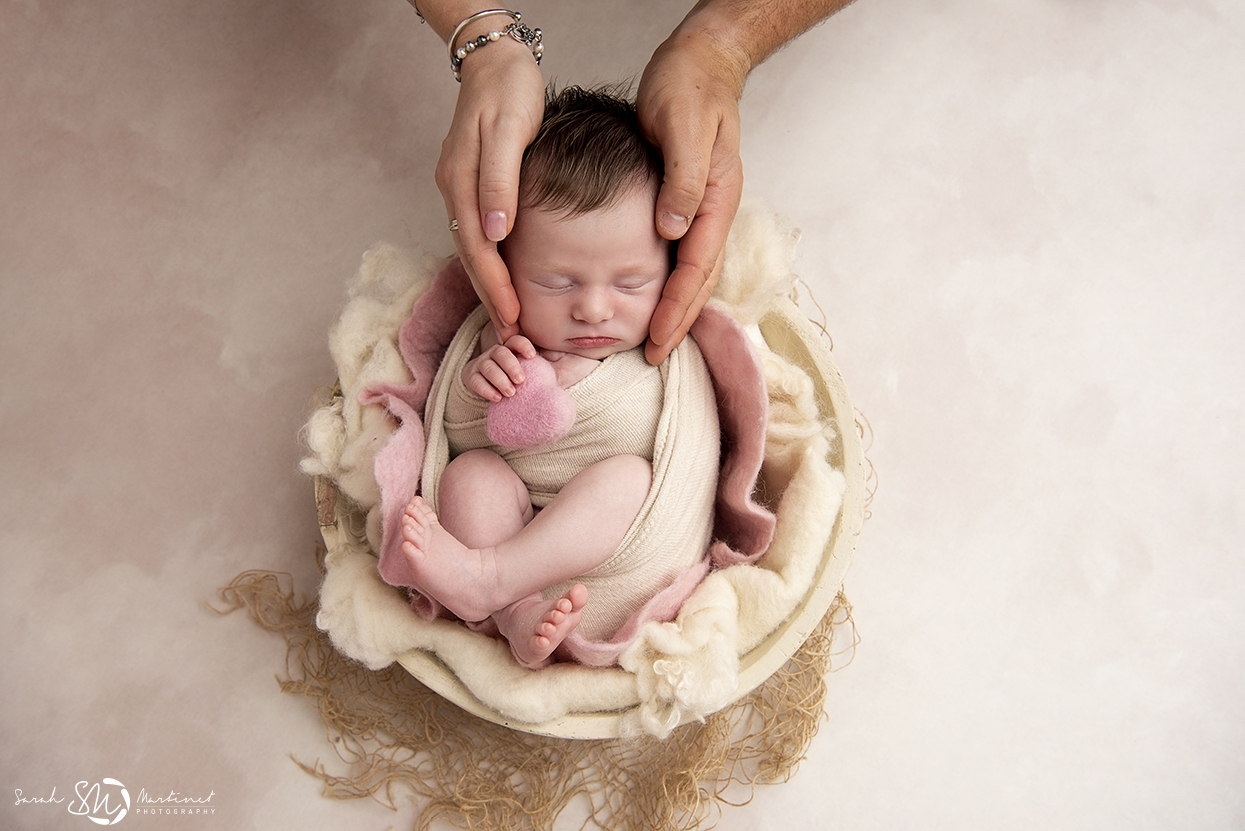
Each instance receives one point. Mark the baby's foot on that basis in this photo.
(462, 579)
(535, 626)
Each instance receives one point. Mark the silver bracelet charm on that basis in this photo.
(516, 29)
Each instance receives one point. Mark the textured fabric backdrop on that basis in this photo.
(1021, 218)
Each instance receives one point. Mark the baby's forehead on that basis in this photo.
(562, 203)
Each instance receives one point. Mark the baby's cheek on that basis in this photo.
(533, 324)
(644, 318)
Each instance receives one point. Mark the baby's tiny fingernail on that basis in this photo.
(495, 226)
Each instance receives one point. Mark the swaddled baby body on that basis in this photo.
(588, 268)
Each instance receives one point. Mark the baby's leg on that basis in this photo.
(535, 626)
(574, 534)
(483, 501)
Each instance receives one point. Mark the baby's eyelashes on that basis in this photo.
(553, 284)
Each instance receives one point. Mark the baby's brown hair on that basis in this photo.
(589, 152)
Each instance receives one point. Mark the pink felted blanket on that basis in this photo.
(743, 529)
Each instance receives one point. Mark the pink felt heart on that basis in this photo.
(538, 413)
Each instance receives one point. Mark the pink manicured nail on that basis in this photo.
(495, 226)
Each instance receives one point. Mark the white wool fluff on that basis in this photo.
(757, 266)
(364, 346)
(672, 672)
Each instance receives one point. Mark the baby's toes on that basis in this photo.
(418, 510)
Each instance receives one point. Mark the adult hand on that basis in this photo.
(688, 104)
(500, 105)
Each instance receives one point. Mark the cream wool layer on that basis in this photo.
(665, 414)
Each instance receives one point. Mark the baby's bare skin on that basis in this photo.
(535, 626)
(569, 369)
(466, 578)
(570, 536)
(494, 372)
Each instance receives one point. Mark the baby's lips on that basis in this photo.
(591, 342)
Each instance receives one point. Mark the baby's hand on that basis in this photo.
(495, 372)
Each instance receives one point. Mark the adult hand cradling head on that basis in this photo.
(688, 103)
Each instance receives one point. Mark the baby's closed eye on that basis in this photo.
(636, 283)
(553, 283)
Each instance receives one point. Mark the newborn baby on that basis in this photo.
(589, 268)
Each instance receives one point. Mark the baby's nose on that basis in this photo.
(593, 306)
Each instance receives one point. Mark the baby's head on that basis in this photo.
(585, 257)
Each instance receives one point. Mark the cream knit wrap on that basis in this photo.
(666, 414)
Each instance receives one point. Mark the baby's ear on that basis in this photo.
(538, 413)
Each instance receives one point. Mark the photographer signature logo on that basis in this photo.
(95, 802)
(108, 802)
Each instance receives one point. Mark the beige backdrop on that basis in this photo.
(1022, 217)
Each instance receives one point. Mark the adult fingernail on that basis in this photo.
(674, 224)
(495, 226)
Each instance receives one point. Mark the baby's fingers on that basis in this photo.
(502, 370)
(522, 347)
(490, 381)
(479, 385)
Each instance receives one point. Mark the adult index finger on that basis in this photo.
(699, 259)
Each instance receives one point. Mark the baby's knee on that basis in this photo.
(473, 467)
(481, 474)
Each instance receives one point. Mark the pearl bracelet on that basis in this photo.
(516, 30)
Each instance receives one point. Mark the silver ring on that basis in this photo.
(453, 224)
